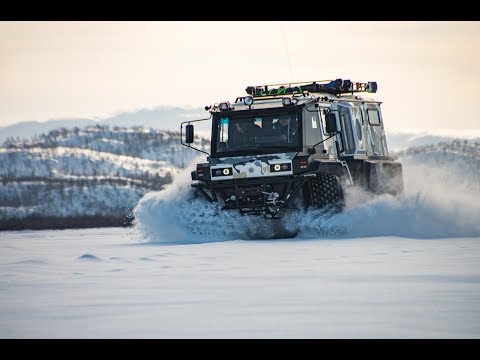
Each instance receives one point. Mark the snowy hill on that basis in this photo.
(162, 117)
(402, 139)
(85, 176)
(459, 158)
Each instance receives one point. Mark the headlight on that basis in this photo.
(222, 172)
(280, 167)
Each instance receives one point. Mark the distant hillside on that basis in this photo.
(402, 139)
(91, 176)
(162, 117)
(459, 159)
(461, 153)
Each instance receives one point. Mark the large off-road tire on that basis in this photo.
(324, 192)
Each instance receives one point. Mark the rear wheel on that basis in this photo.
(324, 192)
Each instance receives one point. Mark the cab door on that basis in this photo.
(358, 122)
(375, 131)
(346, 135)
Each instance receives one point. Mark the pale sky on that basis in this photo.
(428, 73)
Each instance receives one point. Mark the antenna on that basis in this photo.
(288, 56)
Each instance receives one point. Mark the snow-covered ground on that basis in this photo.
(102, 283)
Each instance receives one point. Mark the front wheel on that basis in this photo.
(324, 192)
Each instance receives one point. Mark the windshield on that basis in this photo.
(242, 134)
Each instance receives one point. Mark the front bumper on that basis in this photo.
(266, 195)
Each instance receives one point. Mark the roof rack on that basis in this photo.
(335, 87)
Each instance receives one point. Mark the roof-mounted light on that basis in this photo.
(287, 101)
(372, 87)
(248, 100)
(224, 106)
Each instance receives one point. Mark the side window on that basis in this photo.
(358, 120)
(373, 117)
(313, 130)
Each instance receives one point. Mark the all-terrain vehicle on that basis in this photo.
(295, 146)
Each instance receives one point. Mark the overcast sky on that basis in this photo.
(428, 73)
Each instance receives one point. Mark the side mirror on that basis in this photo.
(331, 123)
(189, 134)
